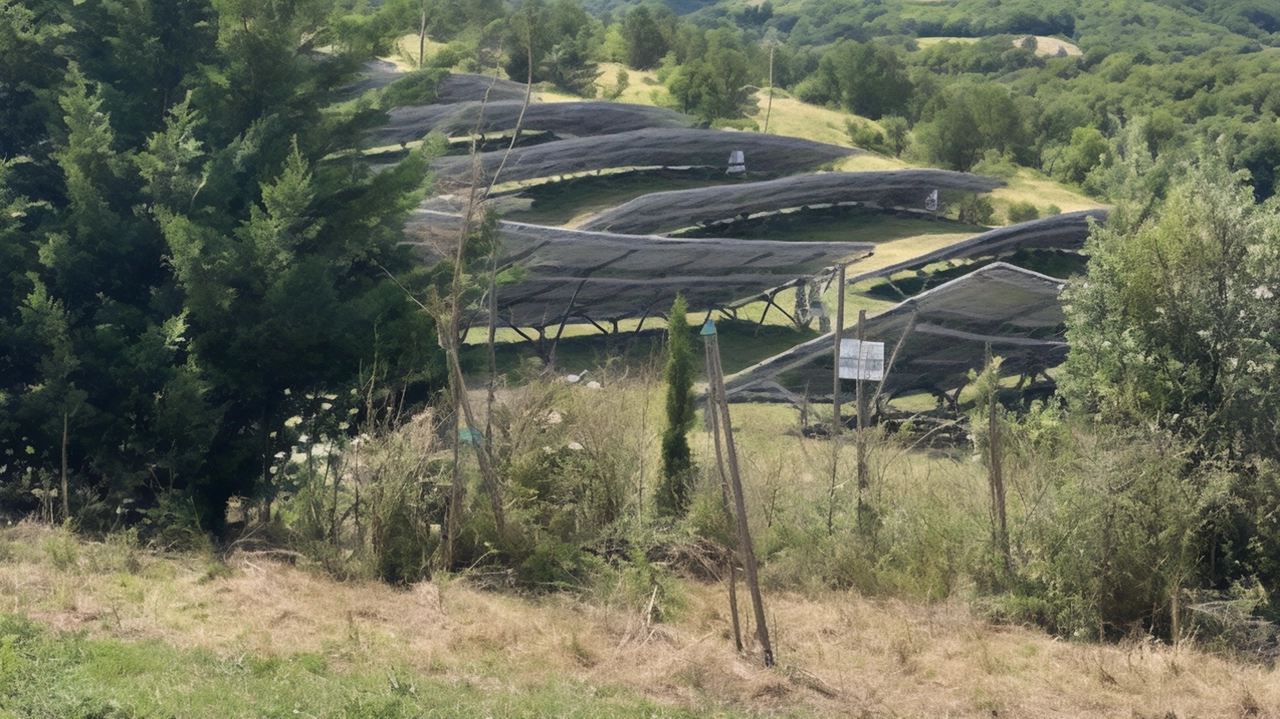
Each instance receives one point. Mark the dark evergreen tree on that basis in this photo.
(645, 42)
(677, 460)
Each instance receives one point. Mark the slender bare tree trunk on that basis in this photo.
(862, 408)
(66, 501)
(422, 36)
(768, 108)
(995, 469)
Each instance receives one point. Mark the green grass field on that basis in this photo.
(69, 676)
(743, 343)
(567, 202)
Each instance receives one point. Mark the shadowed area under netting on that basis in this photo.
(1015, 311)
(465, 87)
(661, 147)
(550, 273)
(373, 75)
(564, 119)
(663, 212)
(1067, 232)
(455, 87)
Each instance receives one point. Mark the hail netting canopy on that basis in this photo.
(564, 119)
(605, 277)
(1067, 231)
(1017, 311)
(662, 212)
(658, 147)
(463, 87)
(456, 87)
(373, 75)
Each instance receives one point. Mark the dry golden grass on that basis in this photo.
(840, 654)
(870, 162)
(1030, 186)
(1045, 46)
(643, 87)
(792, 117)
(891, 253)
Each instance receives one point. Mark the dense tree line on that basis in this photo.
(189, 253)
(1195, 73)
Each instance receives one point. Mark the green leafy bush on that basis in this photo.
(1023, 212)
(975, 210)
(415, 88)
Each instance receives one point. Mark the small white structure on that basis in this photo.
(861, 360)
(931, 202)
(737, 161)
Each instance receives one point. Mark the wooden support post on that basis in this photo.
(594, 324)
(522, 333)
(712, 412)
(836, 424)
(568, 312)
(999, 525)
(735, 479)
(862, 413)
(733, 605)
(784, 312)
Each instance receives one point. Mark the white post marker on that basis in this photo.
(931, 202)
(737, 161)
(861, 360)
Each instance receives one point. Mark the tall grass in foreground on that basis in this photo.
(1109, 534)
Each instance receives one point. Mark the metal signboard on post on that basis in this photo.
(861, 360)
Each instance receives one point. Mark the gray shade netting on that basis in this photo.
(563, 119)
(662, 212)
(663, 147)
(608, 277)
(1015, 311)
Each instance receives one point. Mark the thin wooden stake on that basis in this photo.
(66, 501)
(862, 408)
(733, 605)
(735, 479)
(999, 525)
(769, 107)
(713, 415)
(839, 331)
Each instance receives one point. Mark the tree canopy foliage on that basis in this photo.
(1178, 321)
(188, 250)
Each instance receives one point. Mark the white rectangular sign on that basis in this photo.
(861, 360)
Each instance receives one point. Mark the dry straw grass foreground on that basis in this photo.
(841, 654)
